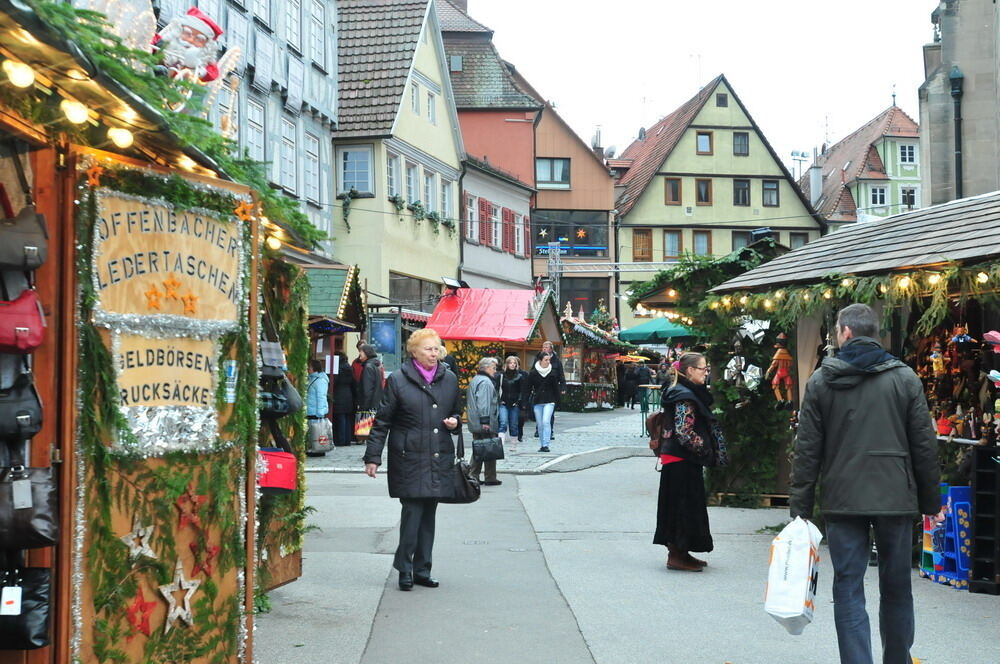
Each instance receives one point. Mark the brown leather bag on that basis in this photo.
(654, 425)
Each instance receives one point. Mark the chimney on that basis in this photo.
(461, 4)
(815, 181)
(595, 144)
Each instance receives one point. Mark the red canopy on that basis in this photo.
(487, 314)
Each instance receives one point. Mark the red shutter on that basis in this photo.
(528, 249)
(484, 221)
(508, 229)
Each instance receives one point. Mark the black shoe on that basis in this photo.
(536, 434)
(405, 581)
(425, 581)
(520, 439)
(493, 482)
(543, 449)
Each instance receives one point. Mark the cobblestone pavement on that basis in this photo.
(582, 440)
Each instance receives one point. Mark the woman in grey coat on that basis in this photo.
(483, 408)
(420, 412)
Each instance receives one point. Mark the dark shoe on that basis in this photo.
(678, 561)
(493, 482)
(315, 454)
(405, 581)
(426, 581)
(697, 561)
(520, 439)
(536, 434)
(543, 449)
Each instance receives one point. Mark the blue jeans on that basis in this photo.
(510, 417)
(850, 549)
(543, 420)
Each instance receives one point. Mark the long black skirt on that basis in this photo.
(681, 513)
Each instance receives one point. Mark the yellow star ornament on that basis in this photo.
(94, 175)
(244, 211)
(189, 301)
(171, 284)
(153, 296)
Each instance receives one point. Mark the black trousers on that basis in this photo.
(416, 536)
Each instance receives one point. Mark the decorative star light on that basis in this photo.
(137, 541)
(171, 285)
(543, 233)
(184, 611)
(187, 505)
(753, 329)
(189, 301)
(209, 552)
(244, 211)
(94, 175)
(581, 233)
(138, 614)
(153, 296)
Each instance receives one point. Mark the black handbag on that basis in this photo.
(465, 487)
(25, 238)
(487, 449)
(29, 629)
(278, 397)
(29, 504)
(20, 409)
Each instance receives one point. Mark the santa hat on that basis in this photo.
(200, 21)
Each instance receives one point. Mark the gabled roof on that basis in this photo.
(855, 157)
(962, 231)
(453, 19)
(335, 294)
(490, 314)
(485, 81)
(488, 168)
(377, 40)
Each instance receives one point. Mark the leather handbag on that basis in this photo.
(20, 409)
(29, 505)
(465, 487)
(22, 323)
(29, 627)
(487, 449)
(278, 397)
(25, 240)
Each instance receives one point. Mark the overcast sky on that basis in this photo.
(799, 66)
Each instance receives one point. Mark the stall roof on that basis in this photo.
(487, 314)
(335, 295)
(655, 330)
(962, 231)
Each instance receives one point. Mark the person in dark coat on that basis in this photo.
(543, 390)
(369, 391)
(344, 399)
(557, 367)
(448, 360)
(513, 397)
(620, 382)
(482, 409)
(631, 385)
(694, 440)
(643, 376)
(419, 414)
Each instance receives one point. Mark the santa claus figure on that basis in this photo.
(189, 44)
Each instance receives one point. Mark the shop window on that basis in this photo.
(580, 232)
(583, 293)
(642, 245)
(413, 293)
(672, 191)
(703, 243)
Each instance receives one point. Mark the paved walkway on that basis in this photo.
(582, 440)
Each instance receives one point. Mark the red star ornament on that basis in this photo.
(138, 614)
(187, 505)
(205, 564)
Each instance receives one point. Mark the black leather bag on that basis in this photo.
(32, 526)
(20, 409)
(29, 629)
(487, 449)
(278, 397)
(25, 240)
(465, 487)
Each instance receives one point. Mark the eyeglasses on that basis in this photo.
(704, 368)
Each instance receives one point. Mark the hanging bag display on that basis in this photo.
(20, 409)
(29, 503)
(24, 603)
(277, 467)
(22, 323)
(25, 238)
(278, 397)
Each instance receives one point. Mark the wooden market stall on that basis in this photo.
(591, 351)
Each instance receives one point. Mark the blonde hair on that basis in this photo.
(686, 361)
(517, 361)
(419, 337)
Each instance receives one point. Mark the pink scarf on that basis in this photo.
(428, 374)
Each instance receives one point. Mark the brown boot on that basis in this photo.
(680, 561)
(697, 561)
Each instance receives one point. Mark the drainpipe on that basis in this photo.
(462, 232)
(956, 78)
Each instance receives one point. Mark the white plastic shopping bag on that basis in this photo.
(792, 575)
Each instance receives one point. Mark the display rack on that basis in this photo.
(985, 576)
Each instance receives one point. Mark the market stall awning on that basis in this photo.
(336, 301)
(962, 231)
(487, 314)
(657, 329)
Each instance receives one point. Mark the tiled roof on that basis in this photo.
(489, 168)
(619, 163)
(855, 157)
(966, 230)
(648, 154)
(484, 81)
(454, 19)
(488, 314)
(329, 289)
(377, 41)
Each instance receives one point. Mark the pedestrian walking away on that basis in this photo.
(513, 395)
(543, 389)
(865, 435)
(317, 386)
(417, 418)
(344, 400)
(557, 367)
(643, 377)
(370, 388)
(482, 408)
(690, 439)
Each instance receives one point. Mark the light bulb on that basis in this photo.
(19, 74)
(827, 294)
(933, 279)
(767, 304)
(713, 305)
(904, 283)
(186, 163)
(121, 137)
(671, 293)
(74, 111)
(743, 300)
(273, 243)
(982, 277)
(883, 288)
(780, 294)
(847, 283)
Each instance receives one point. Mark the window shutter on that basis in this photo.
(508, 229)
(484, 221)
(528, 251)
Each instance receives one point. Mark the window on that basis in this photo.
(770, 193)
(311, 166)
(415, 98)
(288, 170)
(519, 234)
(496, 227)
(552, 173)
(411, 183)
(740, 239)
(429, 189)
(672, 191)
(741, 192)
(796, 240)
(741, 143)
(580, 232)
(703, 243)
(413, 293)
(446, 206)
(255, 130)
(642, 244)
(703, 142)
(317, 32)
(229, 111)
(907, 154)
(392, 174)
(878, 196)
(584, 293)
(354, 166)
(293, 23)
(671, 244)
(908, 197)
(262, 10)
(471, 205)
(703, 192)
(721, 99)
(432, 108)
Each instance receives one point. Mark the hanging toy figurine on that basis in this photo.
(781, 367)
(937, 360)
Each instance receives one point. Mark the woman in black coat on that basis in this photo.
(631, 386)
(513, 397)
(543, 392)
(418, 416)
(344, 398)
